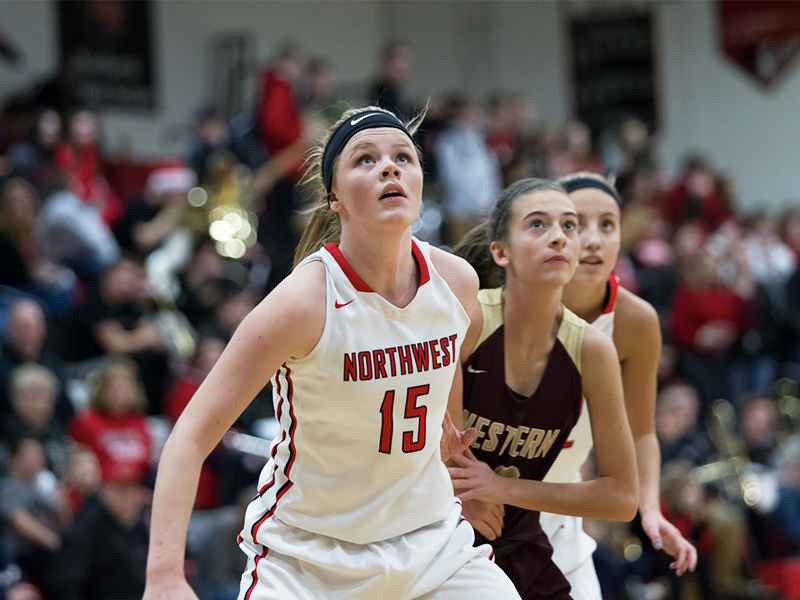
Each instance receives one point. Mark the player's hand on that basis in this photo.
(665, 536)
(454, 441)
(473, 479)
(487, 519)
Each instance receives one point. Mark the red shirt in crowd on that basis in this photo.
(693, 308)
(711, 208)
(122, 443)
(280, 121)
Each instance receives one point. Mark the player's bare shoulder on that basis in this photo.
(295, 309)
(458, 274)
(636, 325)
(596, 346)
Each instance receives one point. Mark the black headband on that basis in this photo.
(580, 183)
(342, 135)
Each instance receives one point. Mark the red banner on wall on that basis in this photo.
(761, 36)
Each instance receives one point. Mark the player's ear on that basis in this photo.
(333, 201)
(499, 252)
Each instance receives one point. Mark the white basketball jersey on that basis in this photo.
(571, 545)
(357, 457)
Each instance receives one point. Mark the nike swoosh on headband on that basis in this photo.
(361, 118)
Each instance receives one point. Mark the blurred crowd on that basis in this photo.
(119, 291)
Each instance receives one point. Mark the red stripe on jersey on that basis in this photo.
(249, 591)
(270, 483)
(568, 444)
(257, 525)
(239, 539)
(424, 272)
(293, 426)
(292, 453)
(613, 286)
(357, 282)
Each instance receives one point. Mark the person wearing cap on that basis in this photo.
(361, 342)
(152, 216)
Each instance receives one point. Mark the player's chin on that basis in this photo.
(401, 215)
(590, 272)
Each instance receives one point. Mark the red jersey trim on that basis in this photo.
(359, 284)
(613, 286)
(424, 272)
(252, 587)
(292, 452)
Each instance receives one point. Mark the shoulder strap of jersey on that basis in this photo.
(613, 287)
(491, 302)
(570, 334)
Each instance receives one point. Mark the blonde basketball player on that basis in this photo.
(362, 343)
(594, 294)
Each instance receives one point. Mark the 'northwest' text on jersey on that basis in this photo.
(357, 456)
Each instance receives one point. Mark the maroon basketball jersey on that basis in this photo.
(521, 437)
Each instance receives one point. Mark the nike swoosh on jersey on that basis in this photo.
(471, 369)
(337, 305)
(359, 119)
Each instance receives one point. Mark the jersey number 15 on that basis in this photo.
(412, 412)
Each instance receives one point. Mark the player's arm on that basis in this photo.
(287, 323)
(463, 280)
(485, 517)
(613, 495)
(638, 340)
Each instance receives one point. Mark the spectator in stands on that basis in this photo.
(22, 265)
(318, 98)
(151, 217)
(232, 308)
(31, 514)
(16, 120)
(201, 283)
(709, 316)
(281, 129)
(33, 397)
(72, 233)
(697, 196)
(577, 154)
(718, 529)
(104, 554)
(82, 478)
(468, 170)
(26, 344)
(114, 426)
(120, 319)
(394, 70)
(770, 260)
(81, 161)
(210, 135)
(40, 168)
(758, 420)
(678, 425)
(18, 208)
